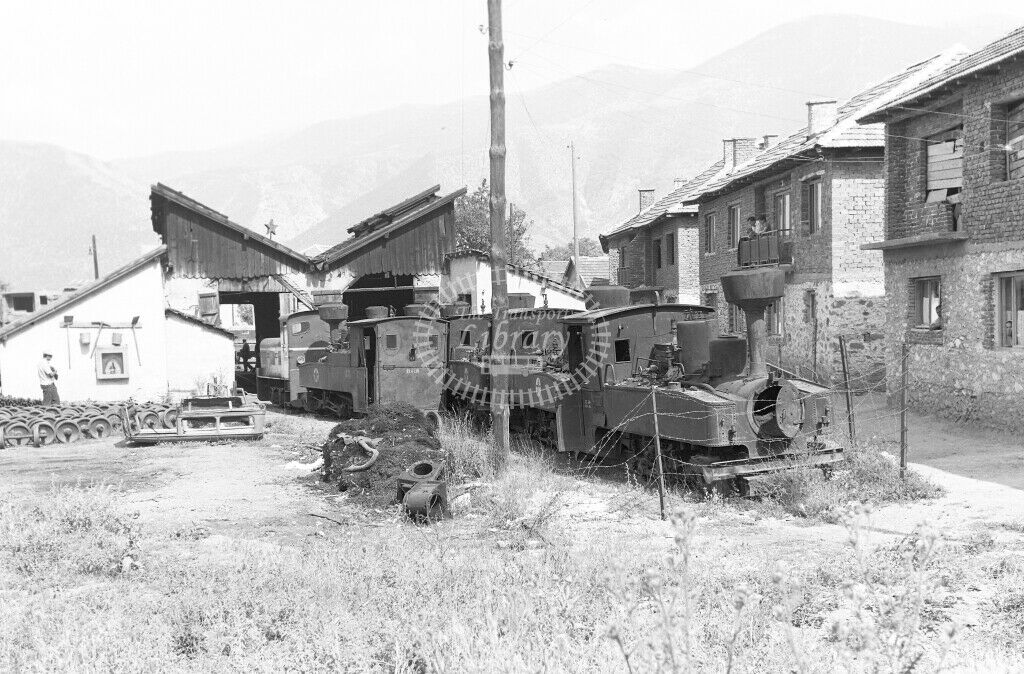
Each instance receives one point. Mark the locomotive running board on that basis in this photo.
(749, 468)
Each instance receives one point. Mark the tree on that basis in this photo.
(588, 248)
(473, 230)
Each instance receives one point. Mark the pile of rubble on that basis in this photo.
(366, 457)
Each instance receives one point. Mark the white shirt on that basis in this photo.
(47, 373)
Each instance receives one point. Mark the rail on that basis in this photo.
(767, 248)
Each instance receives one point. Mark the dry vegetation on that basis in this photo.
(538, 571)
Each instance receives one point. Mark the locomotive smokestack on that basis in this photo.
(753, 290)
(335, 315)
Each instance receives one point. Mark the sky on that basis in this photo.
(125, 78)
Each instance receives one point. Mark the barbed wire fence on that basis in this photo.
(874, 400)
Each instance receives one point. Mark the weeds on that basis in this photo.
(868, 475)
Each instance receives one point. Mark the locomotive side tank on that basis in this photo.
(391, 359)
(304, 336)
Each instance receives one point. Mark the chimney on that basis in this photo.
(646, 198)
(729, 153)
(767, 141)
(821, 116)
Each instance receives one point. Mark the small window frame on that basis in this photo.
(923, 287)
(734, 215)
(709, 233)
(622, 351)
(390, 341)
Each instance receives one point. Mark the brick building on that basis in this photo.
(953, 244)
(657, 247)
(819, 195)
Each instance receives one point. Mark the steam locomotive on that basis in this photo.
(586, 382)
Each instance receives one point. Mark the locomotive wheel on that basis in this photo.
(311, 403)
(43, 433)
(170, 418)
(150, 419)
(17, 434)
(115, 421)
(100, 427)
(67, 431)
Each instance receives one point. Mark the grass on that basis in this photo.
(519, 581)
(868, 475)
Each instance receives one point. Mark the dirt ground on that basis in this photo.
(270, 489)
(955, 448)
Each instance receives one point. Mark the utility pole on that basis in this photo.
(95, 258)
(575, 213)
(499, 289)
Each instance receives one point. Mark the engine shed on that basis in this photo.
(393, 259)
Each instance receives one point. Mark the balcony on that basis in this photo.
(769, 248)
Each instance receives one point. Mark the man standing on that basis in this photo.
(48, 380)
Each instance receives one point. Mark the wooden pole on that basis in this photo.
(849, 395)
(95, 259)
(903, 413)
(499, 289)
(575, 213)
(657, 451)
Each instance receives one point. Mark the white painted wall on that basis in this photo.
(197, 356)
(138, 294)
(471, 275)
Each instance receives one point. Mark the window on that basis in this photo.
(927, 309)
(709, 233)
(670, 244)
(622, 257)
(465, 297)
(735, 319)
(773, 317)
(467, 338)
(780, 215)
(810, 307)
(300, 327)
(1015, 140)
(43, 299)
(391, 341)
(622, 351)
(711, 300)
(734, 225)
(657, 253)
(1011, 310)
(434, 341)
(945, 164)
(813, 206)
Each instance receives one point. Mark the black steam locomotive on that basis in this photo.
(586, 382)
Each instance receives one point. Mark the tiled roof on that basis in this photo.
(592, 266)
(844, 133)
(83, 292)
(672, 203)
(554, 268)
(1005, 47)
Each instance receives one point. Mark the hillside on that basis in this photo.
(632, 127)
(51, 203)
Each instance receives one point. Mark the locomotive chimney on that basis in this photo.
(334, 315)
(752, 290)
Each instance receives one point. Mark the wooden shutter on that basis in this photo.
(1015, 142)
(946, 165)
(805, 208)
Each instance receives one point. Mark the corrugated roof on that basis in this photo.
(384, 224)
(82, 293)
(844, 133)
(1008, 46)
(198, 321)
(672, 203)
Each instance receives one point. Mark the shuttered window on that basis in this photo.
(670, 245)
(945, 164)
(1015, 141)
(734, 225)
(657, 253)
(773, 314)
(780, 215)
(709, 233)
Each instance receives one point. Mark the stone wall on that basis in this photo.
(957, 372)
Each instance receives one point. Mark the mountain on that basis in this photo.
(51, 202)
(632, 127)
